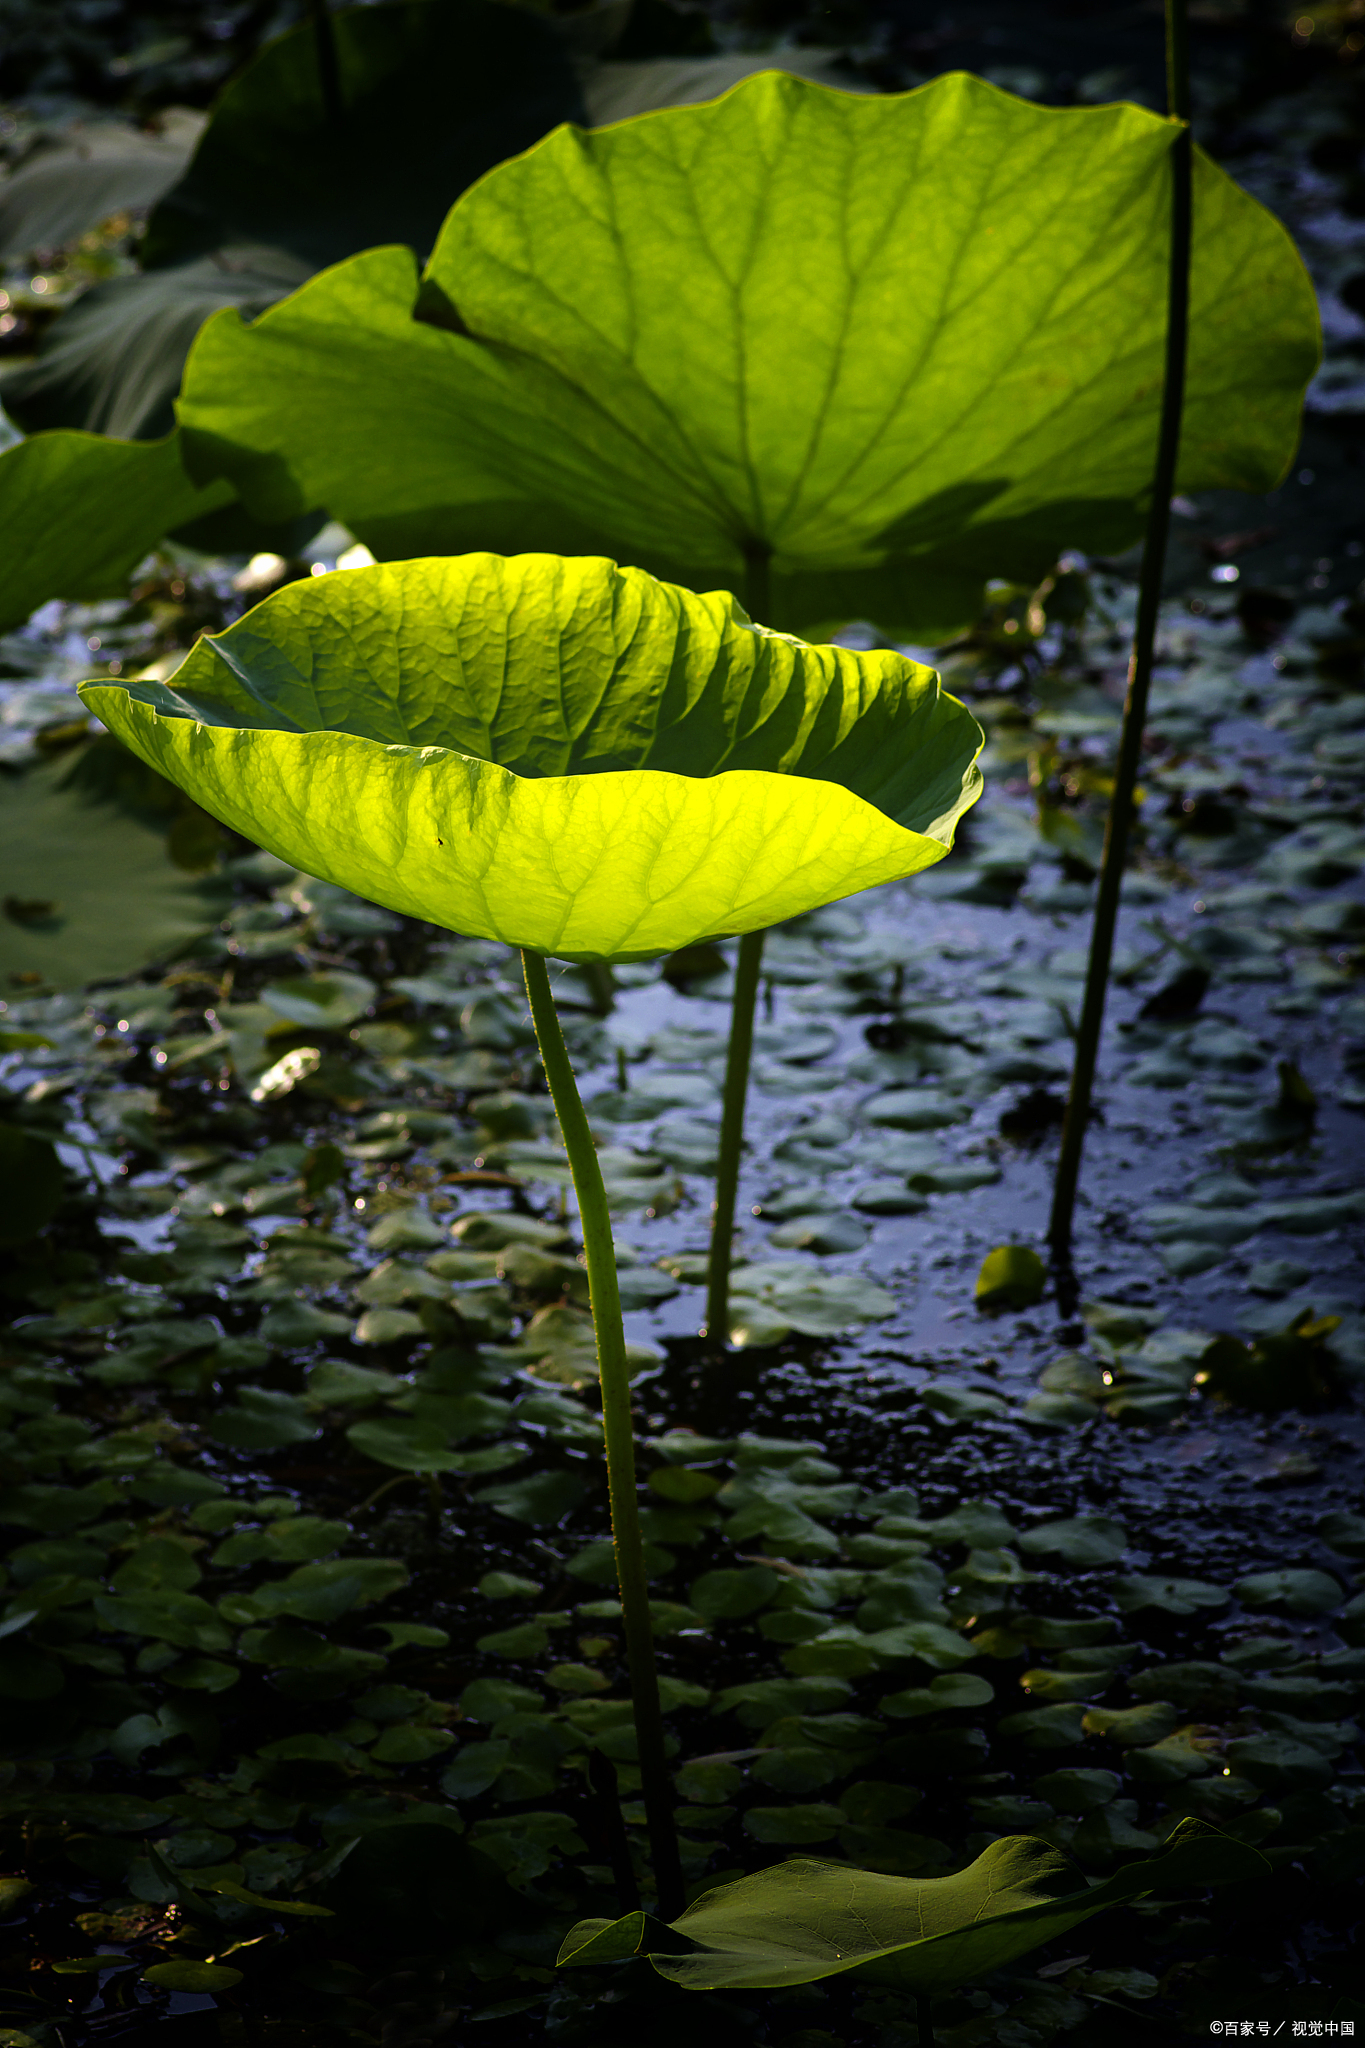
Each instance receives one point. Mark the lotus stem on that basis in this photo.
(732, 1135)
(1140, 665)
(627, 1535)
(758, 602)
(602, 1778)
(758, 588)
(329, 71)
(924, 2019)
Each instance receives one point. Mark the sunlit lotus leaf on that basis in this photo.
(896, 344)
(558, 754)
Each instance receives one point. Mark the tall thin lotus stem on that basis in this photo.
(758, 603)
(732, 1134)
(627, 1535)
(1140, 666)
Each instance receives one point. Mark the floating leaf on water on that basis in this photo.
(1012, 1276)
(1132, 1727)
(387, 1326)
(1344, 1533)
(818, 1304)
(1085, 1540)
(1145, 1405)
(977, 1523)
(964, 1404)
(914, 1109)
(1189, 1684)
(264, 1419)
(483, 1230)
(685, 1447)
(405, 1444)
(954, 1180)
(1065, 1686)
(793, 1824)
(675, 1483)
(1290, 1368)
(187, 1976)
(1277, 1763)
(1172, 1596)
(824, 1234)
(1059, 1411)
(887, 1198)
(320, 1002)
(951, 1689)
(542, 1500)
(1305, 1593)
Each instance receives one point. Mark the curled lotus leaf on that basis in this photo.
(806, 1919)
(558, 754)
(884, 345)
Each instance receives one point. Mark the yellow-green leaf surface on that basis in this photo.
(807, 1919)
(897, 343)
(557, 753)
(78, 512)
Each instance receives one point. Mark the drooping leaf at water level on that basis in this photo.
(558, 754)
(806, 1919)
(897, 344)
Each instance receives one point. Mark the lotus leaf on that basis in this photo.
(1297, 1592)
(1012, 1276)
(893, 343)
(559, 754)
(805, 1919)
(1085, 1540)
(275, 190)
(1173, 1596)
(66, 187)
(80, 512)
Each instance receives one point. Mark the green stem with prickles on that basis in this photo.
(617, 1428)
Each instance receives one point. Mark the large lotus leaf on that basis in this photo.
(558, 754)
(96, 169)
(265, 170)
(807, 1919)
(898, 343)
